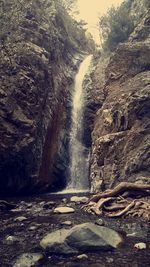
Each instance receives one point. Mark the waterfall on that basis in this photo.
(79, 154)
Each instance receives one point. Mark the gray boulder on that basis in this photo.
(81, 238)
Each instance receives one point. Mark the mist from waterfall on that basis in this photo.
(79, 154)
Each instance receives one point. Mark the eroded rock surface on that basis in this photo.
(121, 135)
(38, 51)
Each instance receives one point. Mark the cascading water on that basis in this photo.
(79, 154)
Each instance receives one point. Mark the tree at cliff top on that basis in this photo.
(69, 4)
(116, 26)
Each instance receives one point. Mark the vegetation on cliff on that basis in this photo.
(118, 23)
(116, 26)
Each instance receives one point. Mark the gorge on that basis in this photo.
(74, 136)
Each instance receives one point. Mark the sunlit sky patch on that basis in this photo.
(91, 10)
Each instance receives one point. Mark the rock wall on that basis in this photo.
(121, 135)
(39, 43)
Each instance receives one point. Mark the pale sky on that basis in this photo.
(91, 10)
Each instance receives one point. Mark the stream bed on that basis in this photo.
(40, 220)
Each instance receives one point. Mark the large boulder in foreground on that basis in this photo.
(81, 238)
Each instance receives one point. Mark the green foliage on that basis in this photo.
(45, 23)
(116, 26)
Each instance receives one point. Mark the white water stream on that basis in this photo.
(79, 155)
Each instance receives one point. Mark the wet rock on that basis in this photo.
(100, 222)
(20, 219)
(81, 238)
(79, 199)
(64, 210)
(28, 260)
(82, 257)
(140, 246)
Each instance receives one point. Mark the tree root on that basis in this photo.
(99, 205)
(121, 188)
(126, 209)
(114, 203)
(114, 207)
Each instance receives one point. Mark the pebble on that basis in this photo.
(140, 246)
(81, 200)
(100, 222)
(110, 260)
(20, 219)
(132, 234)
(28, 260)
(11, 239)
(82, 257)
(63, 210)
(66, 223)
(16, 210)
(42, 203)
(32, 228)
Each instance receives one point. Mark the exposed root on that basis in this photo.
(121, 188)
(114, 203)
(99, 205)
(119, 214)
(114, 207)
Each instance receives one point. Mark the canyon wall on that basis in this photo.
(121, 135)
(39, 50)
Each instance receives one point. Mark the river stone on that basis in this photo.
(28, 259)
(140, 246)
(81, 238)
(79, 199)
(32, 228)
(63, 210)
(66, 223)
(100, 222)
(20, 219)
(82, 257)
(9, 240)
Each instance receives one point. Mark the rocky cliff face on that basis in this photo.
(39, 42)
(121, 135)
